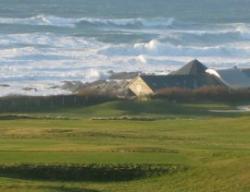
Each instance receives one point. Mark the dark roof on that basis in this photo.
(246, 71)
(194, 67)
(234, 78)
(157, 82)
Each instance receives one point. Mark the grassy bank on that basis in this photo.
(183, 148)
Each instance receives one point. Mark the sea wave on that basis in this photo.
(233, 30)
(47, 40)
(157, 48)
(129, 22)
(40, 20)
(192, 33)
(50, 20)
(185, 31)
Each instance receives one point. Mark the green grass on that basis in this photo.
(215, 148)
(157, 108)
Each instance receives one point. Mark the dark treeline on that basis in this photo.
(48, 103)
(205, 94)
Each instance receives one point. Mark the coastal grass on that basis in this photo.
(153, 108)
(183, 148)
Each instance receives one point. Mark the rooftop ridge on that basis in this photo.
(194, 67)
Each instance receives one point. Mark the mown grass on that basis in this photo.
(213, 148)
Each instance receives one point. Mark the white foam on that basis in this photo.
(40, 20)
(141, 59)
(156, 48)
(151, 45)
(47, 40)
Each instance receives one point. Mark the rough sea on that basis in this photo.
(46, 42)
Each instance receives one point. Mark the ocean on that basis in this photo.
(46, 42)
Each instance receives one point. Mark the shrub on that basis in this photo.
(205, 93)
(48, 103)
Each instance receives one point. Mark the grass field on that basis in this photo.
(193, 150)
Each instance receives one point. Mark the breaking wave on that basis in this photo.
(40, 20)
(161, 26)
(46, 40)
(157, 48)
(49, 20)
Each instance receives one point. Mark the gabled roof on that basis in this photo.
(194, 67)
(157, 82)
(234, 78)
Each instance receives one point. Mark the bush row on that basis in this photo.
(47, 103)
(205, 93)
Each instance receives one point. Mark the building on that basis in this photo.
(191, 76)
(246, 71)
(233, 78)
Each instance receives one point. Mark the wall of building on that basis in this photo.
(140, 88)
